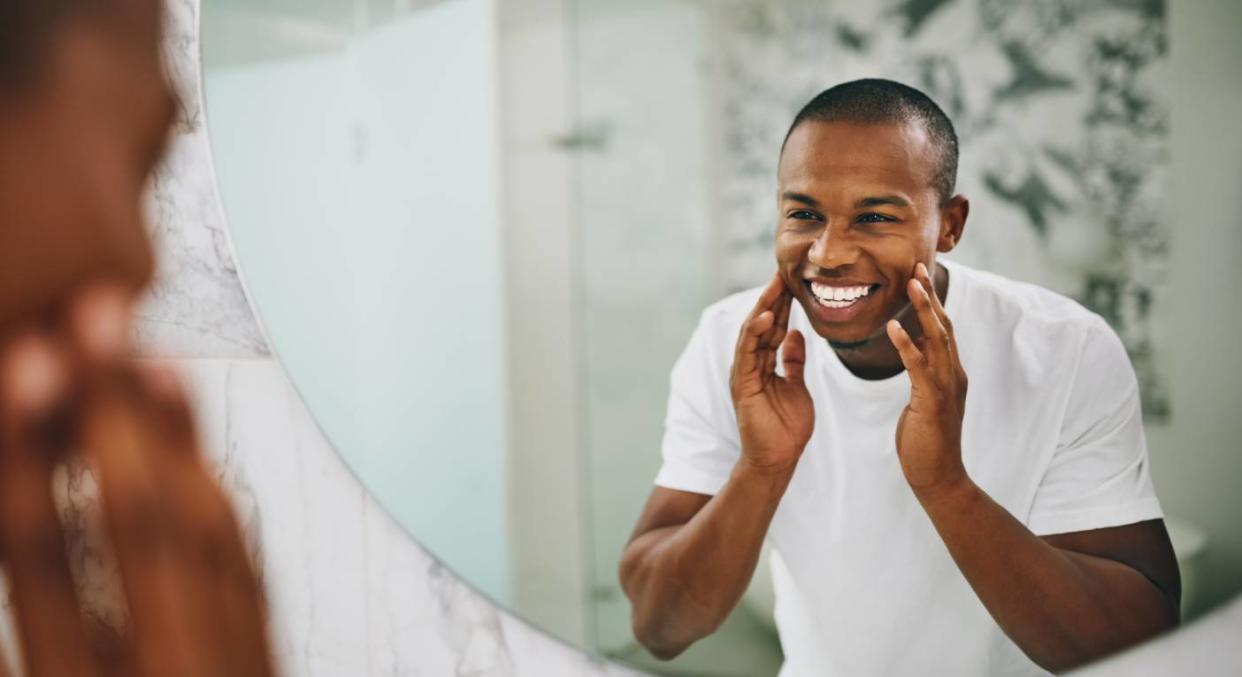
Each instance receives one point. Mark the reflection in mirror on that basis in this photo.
(341, 131)
(481, 234)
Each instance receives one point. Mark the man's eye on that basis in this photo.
(874, 218)
(803, 215)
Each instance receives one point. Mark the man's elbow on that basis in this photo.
(666, 632)
(1083, 652)
(659, 640)
(660, 634)
(658, 646)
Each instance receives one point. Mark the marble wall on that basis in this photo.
(350, 592)
(197, 307)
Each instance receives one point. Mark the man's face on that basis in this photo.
(77, 145)
(857, 210)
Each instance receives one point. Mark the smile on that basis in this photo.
(840, 297)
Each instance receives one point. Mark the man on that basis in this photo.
(85, 112)
(916, 529)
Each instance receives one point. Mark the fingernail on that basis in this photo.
(34, 376)
(102, 322)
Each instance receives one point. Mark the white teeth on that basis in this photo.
(838, 297)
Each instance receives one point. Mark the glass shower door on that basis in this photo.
(647, 253)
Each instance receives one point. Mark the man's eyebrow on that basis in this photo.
(893, 200)
(800, 197)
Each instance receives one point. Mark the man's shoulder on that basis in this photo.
(717, 330)
(1047, 336)
(1021, 305)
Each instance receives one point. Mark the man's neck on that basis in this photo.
(877, 358)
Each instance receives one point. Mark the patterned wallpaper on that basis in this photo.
(1063, 119)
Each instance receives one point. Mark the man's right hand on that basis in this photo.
(775, 414)
(692, 555)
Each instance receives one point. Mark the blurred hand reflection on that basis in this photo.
(193, 604)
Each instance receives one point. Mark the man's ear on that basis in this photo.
(952, 223)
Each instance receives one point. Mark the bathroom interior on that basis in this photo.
(476, 234)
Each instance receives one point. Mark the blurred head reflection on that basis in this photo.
(85, 111)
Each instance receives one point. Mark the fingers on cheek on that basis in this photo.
(119, 439)
(898, 335)
(36, 413)
(99, 323)
(914, 289)
(911, 357)
(162, 389)
(117, 432)
(169, 521)
(34, 381)
(762, 322)
(924, 296)
(34, 387)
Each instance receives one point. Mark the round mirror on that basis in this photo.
(341, 131)
(480, 233)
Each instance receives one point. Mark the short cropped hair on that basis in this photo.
(877, 101)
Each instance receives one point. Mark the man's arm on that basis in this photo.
(692, 555)
(1065, 599)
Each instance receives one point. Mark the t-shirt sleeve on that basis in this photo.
(1098, 476)
(700, 444)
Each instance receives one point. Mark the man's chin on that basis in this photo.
(859, 333)
(853, 340)
(849, 345)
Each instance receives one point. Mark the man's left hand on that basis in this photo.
(929, 432)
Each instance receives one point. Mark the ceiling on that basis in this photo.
(246, 31)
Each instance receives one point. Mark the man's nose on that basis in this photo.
(833, 248)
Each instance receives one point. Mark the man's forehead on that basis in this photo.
(840, 152)
(816, 140)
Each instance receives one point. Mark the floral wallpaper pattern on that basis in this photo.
(1061, 113)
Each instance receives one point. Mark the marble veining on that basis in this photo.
(350, 591)
(197, 306)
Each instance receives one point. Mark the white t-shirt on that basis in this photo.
(864, 585)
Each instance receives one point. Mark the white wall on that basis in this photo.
(361, 190)
(1197, 458)
(547, 503)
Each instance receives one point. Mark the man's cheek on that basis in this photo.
(787, 265)
(789, 277)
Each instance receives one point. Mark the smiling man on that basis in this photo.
(916, 528)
